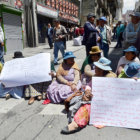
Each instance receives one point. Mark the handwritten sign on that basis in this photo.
(25, 71)
(116, 102)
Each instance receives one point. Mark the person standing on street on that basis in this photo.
(106, 35)
(119, 31)
(1, 43)
(132, 30)
(50, 35)
(59, 36)
(91, 35)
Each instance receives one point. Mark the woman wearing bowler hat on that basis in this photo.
(88, 68)
(68, 80)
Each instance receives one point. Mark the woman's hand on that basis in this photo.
(135, 78)
(73, 87)
(52, 73)
(69, 84)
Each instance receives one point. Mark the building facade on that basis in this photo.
(11, 12)
(44, 12)
(137, 6)
(112, 9)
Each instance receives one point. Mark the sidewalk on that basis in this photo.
(44, 49)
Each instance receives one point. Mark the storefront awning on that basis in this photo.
(46, 11)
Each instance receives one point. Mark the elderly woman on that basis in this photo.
(88, 67)
(130, 55)
(68, 80)
(82, 116)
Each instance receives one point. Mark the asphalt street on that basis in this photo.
(20, 121)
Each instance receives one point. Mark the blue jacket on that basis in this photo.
(90, 33)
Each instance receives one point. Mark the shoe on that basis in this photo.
(39, 98)
(31, 101)
(66, 130)
(47, 101)
(8, 96)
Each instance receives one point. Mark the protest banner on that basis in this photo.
(25, 71)
(116, 102)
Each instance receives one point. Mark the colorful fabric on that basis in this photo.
(35, 90)
(0, 67)
(122, 75)
(58, 92)
(82, 116)
(86, 61)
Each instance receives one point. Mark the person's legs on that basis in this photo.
(61, 47)
(105, 49)
(1, 54)
(88, 49)
(56, 49)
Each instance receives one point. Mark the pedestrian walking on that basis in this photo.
(119, 31)
(106, 35)
(50, 35)
(1, 43)
(132, 30)
(59, 36)
(91, 35)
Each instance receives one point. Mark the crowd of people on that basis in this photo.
(71, 85)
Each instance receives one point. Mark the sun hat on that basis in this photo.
(131, 49)
(132, 69)
(18, 55)
(95, 50)
(68, 55)
(103, 64)
(135, 14)
(91, 15)
(103, 18)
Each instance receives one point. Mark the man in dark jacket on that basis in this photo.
(91, 36)
(50, 35)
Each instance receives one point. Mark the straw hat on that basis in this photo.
(95, 50)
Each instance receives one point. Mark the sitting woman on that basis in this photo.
(82, 116)
(68, 80)
(131, 70)
(15, 92)
(88, 67)
(130, 56)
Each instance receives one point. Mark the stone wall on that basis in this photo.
(112, 9)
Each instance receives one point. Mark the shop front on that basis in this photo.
(12, 27)
(45, 15)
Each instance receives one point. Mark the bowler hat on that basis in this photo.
(18, 55)
(132, 69)
(68, 55)
(103, 64)
(91, 15)
(95, 50)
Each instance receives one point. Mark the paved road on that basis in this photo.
(19, 121)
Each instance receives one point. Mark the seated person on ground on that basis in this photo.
(130, 55)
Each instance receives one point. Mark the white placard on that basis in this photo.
(25, 71)
(116, 102)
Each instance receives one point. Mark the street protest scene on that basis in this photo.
(69, 69)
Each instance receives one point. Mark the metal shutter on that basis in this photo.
(13, 32)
